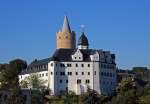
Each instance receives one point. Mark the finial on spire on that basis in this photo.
(66, 26)
(82, 28)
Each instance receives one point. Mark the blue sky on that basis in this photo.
(28, 28)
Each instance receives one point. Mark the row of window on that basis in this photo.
(87, 81)
(107, 83)
(107, 74)
(70, 73)
(107, 66)
(42, 75)
(65, 37)
(38, 67)
(69, 65)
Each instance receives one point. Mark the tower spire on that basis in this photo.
(66, 26)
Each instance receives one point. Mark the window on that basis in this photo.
(46, 74)
(43, 75)
(66, 81)
(60, 81)
(76, 73)
(88, 73)
(62, 65)
(56, 73)
(82, 73)
(59, 37)
(87, 81)
(66, 88)
(66, 37)
(103, 82)
(78, 81)
(51, 65)
(110, 74)
(51, 73)
(95, 72)
(102, 73)
(75, 57)
(76, 65)
(88, 65)
(69, 73)
(39, 75)
(62, 73)
(69, 65)
(82, 65)
(79, 57)
(107, 74)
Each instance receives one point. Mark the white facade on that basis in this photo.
(43, 75)
(97, 72)
(77, 75)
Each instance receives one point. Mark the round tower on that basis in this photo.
(66, 38)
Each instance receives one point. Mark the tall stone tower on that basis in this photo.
(66, 38)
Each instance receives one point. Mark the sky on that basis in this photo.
(28, 28)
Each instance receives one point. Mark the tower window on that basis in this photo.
(76, 73)
(82, 73)
(88, 73)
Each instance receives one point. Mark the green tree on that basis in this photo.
(71, 98)
(90, 97)
(10, 81)
(126, 93)
(33, 81)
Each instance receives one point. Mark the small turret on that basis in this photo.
(83, 42)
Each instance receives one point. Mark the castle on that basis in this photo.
(75, 68)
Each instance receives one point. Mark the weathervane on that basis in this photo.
(82, 28)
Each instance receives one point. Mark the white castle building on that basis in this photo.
(73, 68)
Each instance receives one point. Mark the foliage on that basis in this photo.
(71, 98)
(9, 79)
(33, 81)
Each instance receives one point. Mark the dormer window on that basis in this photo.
(77, 56)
